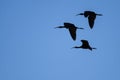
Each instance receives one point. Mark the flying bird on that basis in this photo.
(91, 17)
(72, 29)
(85, 45)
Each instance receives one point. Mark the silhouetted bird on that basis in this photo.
(72, 29)
(91, 17)
(85, 45)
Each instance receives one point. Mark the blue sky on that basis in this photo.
(31, 49)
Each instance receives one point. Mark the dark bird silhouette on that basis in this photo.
(91, 17)
(72, 29)
(85, 45)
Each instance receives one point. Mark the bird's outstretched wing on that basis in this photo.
(72, 31)
(91, 20)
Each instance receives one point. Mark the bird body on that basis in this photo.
(85, 45)
(91, 17)
(72, 29)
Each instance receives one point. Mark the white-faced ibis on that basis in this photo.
(91, 17)
(85, 45)
(72, 29)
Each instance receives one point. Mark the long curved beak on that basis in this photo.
(56, 27)
(77, 14)
(80, 14)
(79, 28)
(94, 48)
(59, 27)
(72, 47)
(99, 14)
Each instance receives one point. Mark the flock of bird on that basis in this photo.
(72, 28)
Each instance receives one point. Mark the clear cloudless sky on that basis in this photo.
(31, 49)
